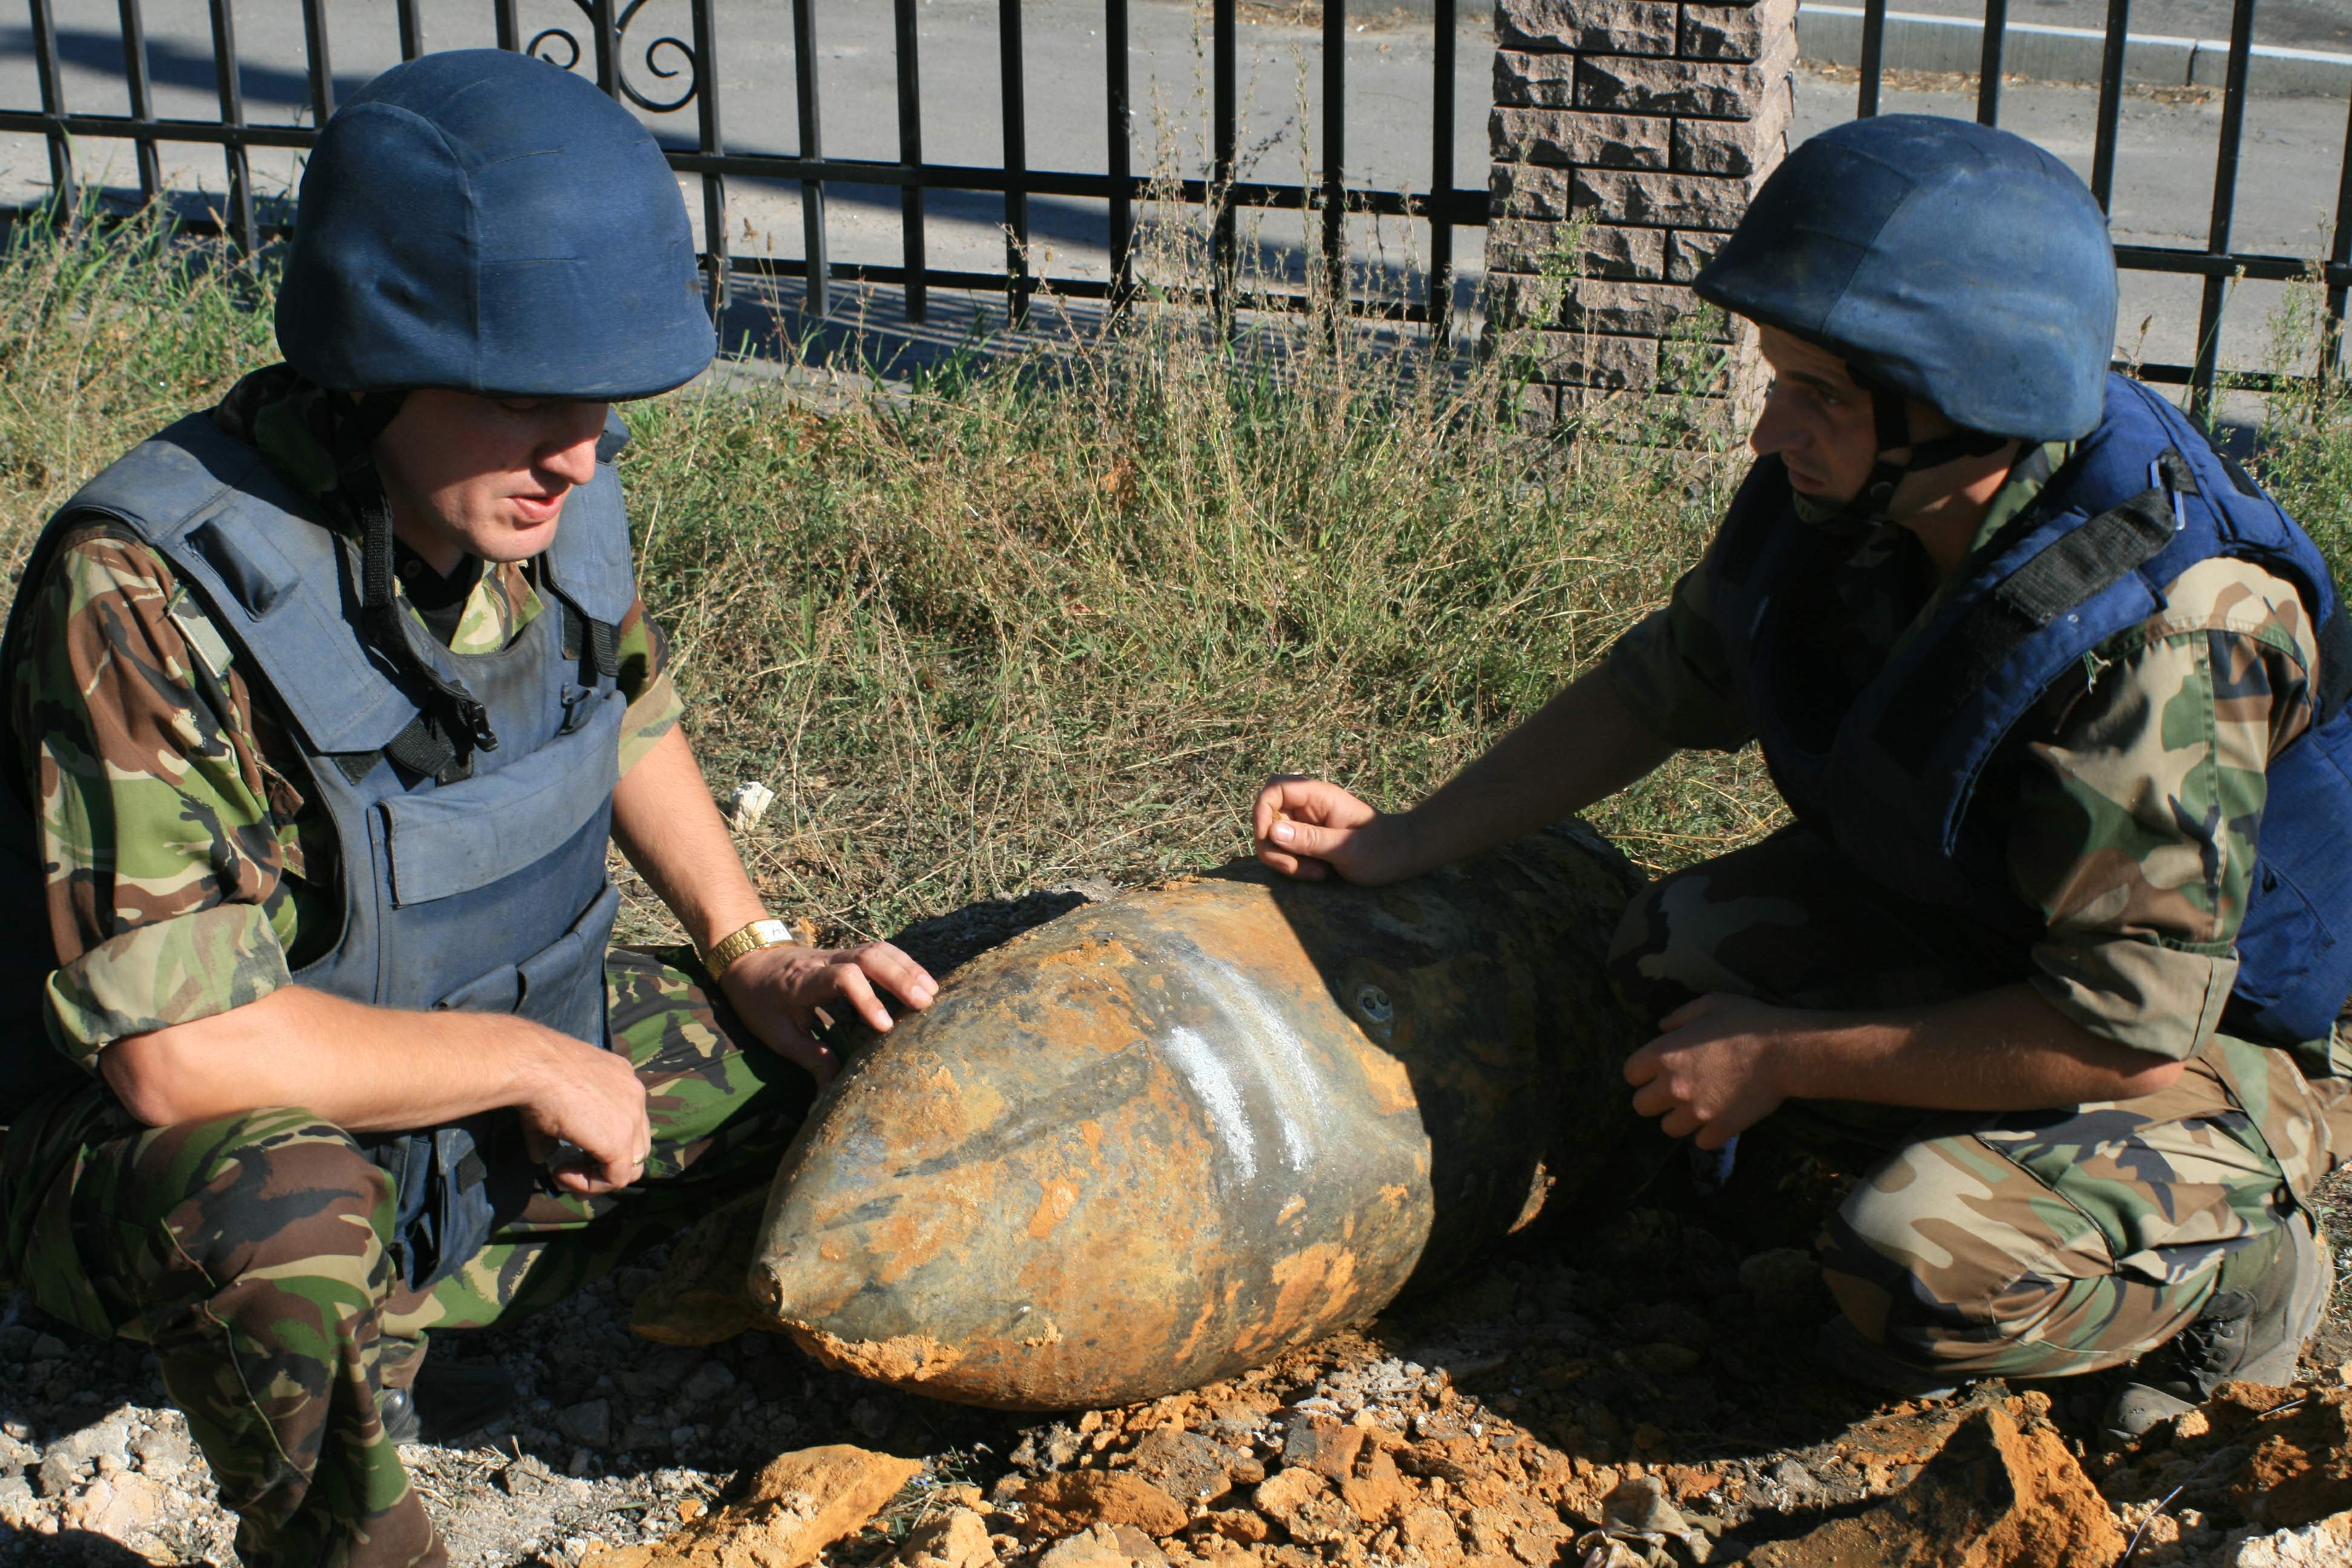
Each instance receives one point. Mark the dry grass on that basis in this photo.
(1030, 622)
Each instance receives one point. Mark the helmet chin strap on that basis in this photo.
(1892, 419)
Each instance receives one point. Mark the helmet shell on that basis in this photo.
(487, 222)
(1956, 263)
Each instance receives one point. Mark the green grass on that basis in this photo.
(1028, 623)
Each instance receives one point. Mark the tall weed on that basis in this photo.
(1040, 619)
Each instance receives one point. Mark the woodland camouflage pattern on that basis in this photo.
(2033, 1245)
(276, 1369)
(189, 873)
(2131, 819)
(190, 876)
(2056, 1242)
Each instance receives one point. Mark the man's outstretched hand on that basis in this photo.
(777, 991)
(1307, 828)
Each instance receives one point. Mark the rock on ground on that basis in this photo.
(957, 1539)
(2325, 1544)
(2003, 1492)
(797, 1505)
(1631, 1384)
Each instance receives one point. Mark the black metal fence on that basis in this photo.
(685, 75)
(2216, 262)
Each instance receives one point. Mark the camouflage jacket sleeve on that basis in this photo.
(2137, 818)
(654, 702)
(180, 845)
(175, 861)
(1672, 675)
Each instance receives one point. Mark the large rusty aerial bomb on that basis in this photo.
(1163, 1139)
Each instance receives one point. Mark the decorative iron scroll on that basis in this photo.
(543, 44)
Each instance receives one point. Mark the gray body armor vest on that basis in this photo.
(481, 888)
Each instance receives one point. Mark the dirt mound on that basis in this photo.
(2252, 1455)
(1998, 1493)
(1343, 1457)
(1634, 1393)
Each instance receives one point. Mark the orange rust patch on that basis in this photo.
(906, 1358)
(913, 1236)
(1291, 1210)
(1200, 1325)
(1386, 1076)
(1091, 1131)
(1053, 1208)
(1312, 1290)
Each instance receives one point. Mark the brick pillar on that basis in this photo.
(1654, 122)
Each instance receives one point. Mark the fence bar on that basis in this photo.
(2225, 197)
(509, 29)
(412, 31)
(1874, 57)
(1441, 175)
(52, 102)
(1117, 132)
(238, 220)
(818, 298)
(1335, 146)
(707, 133)
(1016, 158)
(911, 156)
(2339, 252)
(322, 72)
(2111, 102)
(608, 46)
(1996, 37)
(142, 96)
(1226, 114)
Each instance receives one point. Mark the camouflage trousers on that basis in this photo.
(250, 1252)
(2018, 1245)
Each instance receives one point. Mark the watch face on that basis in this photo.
(772, 933)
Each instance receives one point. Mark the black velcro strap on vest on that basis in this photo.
(423, 749)
(604, 647)
(2072, 568)
(596, 643)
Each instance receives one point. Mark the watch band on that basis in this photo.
(760, 933)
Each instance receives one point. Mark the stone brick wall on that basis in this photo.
(1655, 119)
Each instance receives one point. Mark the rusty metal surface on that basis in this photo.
(1163, 1139)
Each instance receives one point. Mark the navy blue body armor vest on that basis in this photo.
(1891, 774)
(481, 888)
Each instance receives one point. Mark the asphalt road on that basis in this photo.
(2296, 23)
(2293, 155)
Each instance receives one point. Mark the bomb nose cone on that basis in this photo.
(1163, 1138)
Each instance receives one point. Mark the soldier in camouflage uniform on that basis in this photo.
(278, 1161)
(2055, 697)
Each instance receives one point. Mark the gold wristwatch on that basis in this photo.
(760, 933)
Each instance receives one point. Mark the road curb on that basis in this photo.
(1832, 35)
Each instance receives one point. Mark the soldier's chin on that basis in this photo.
(520, 541)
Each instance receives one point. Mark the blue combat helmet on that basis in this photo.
(486, 222)
(1948, 261)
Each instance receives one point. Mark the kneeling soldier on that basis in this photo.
(321, 709)
(2053, 954)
